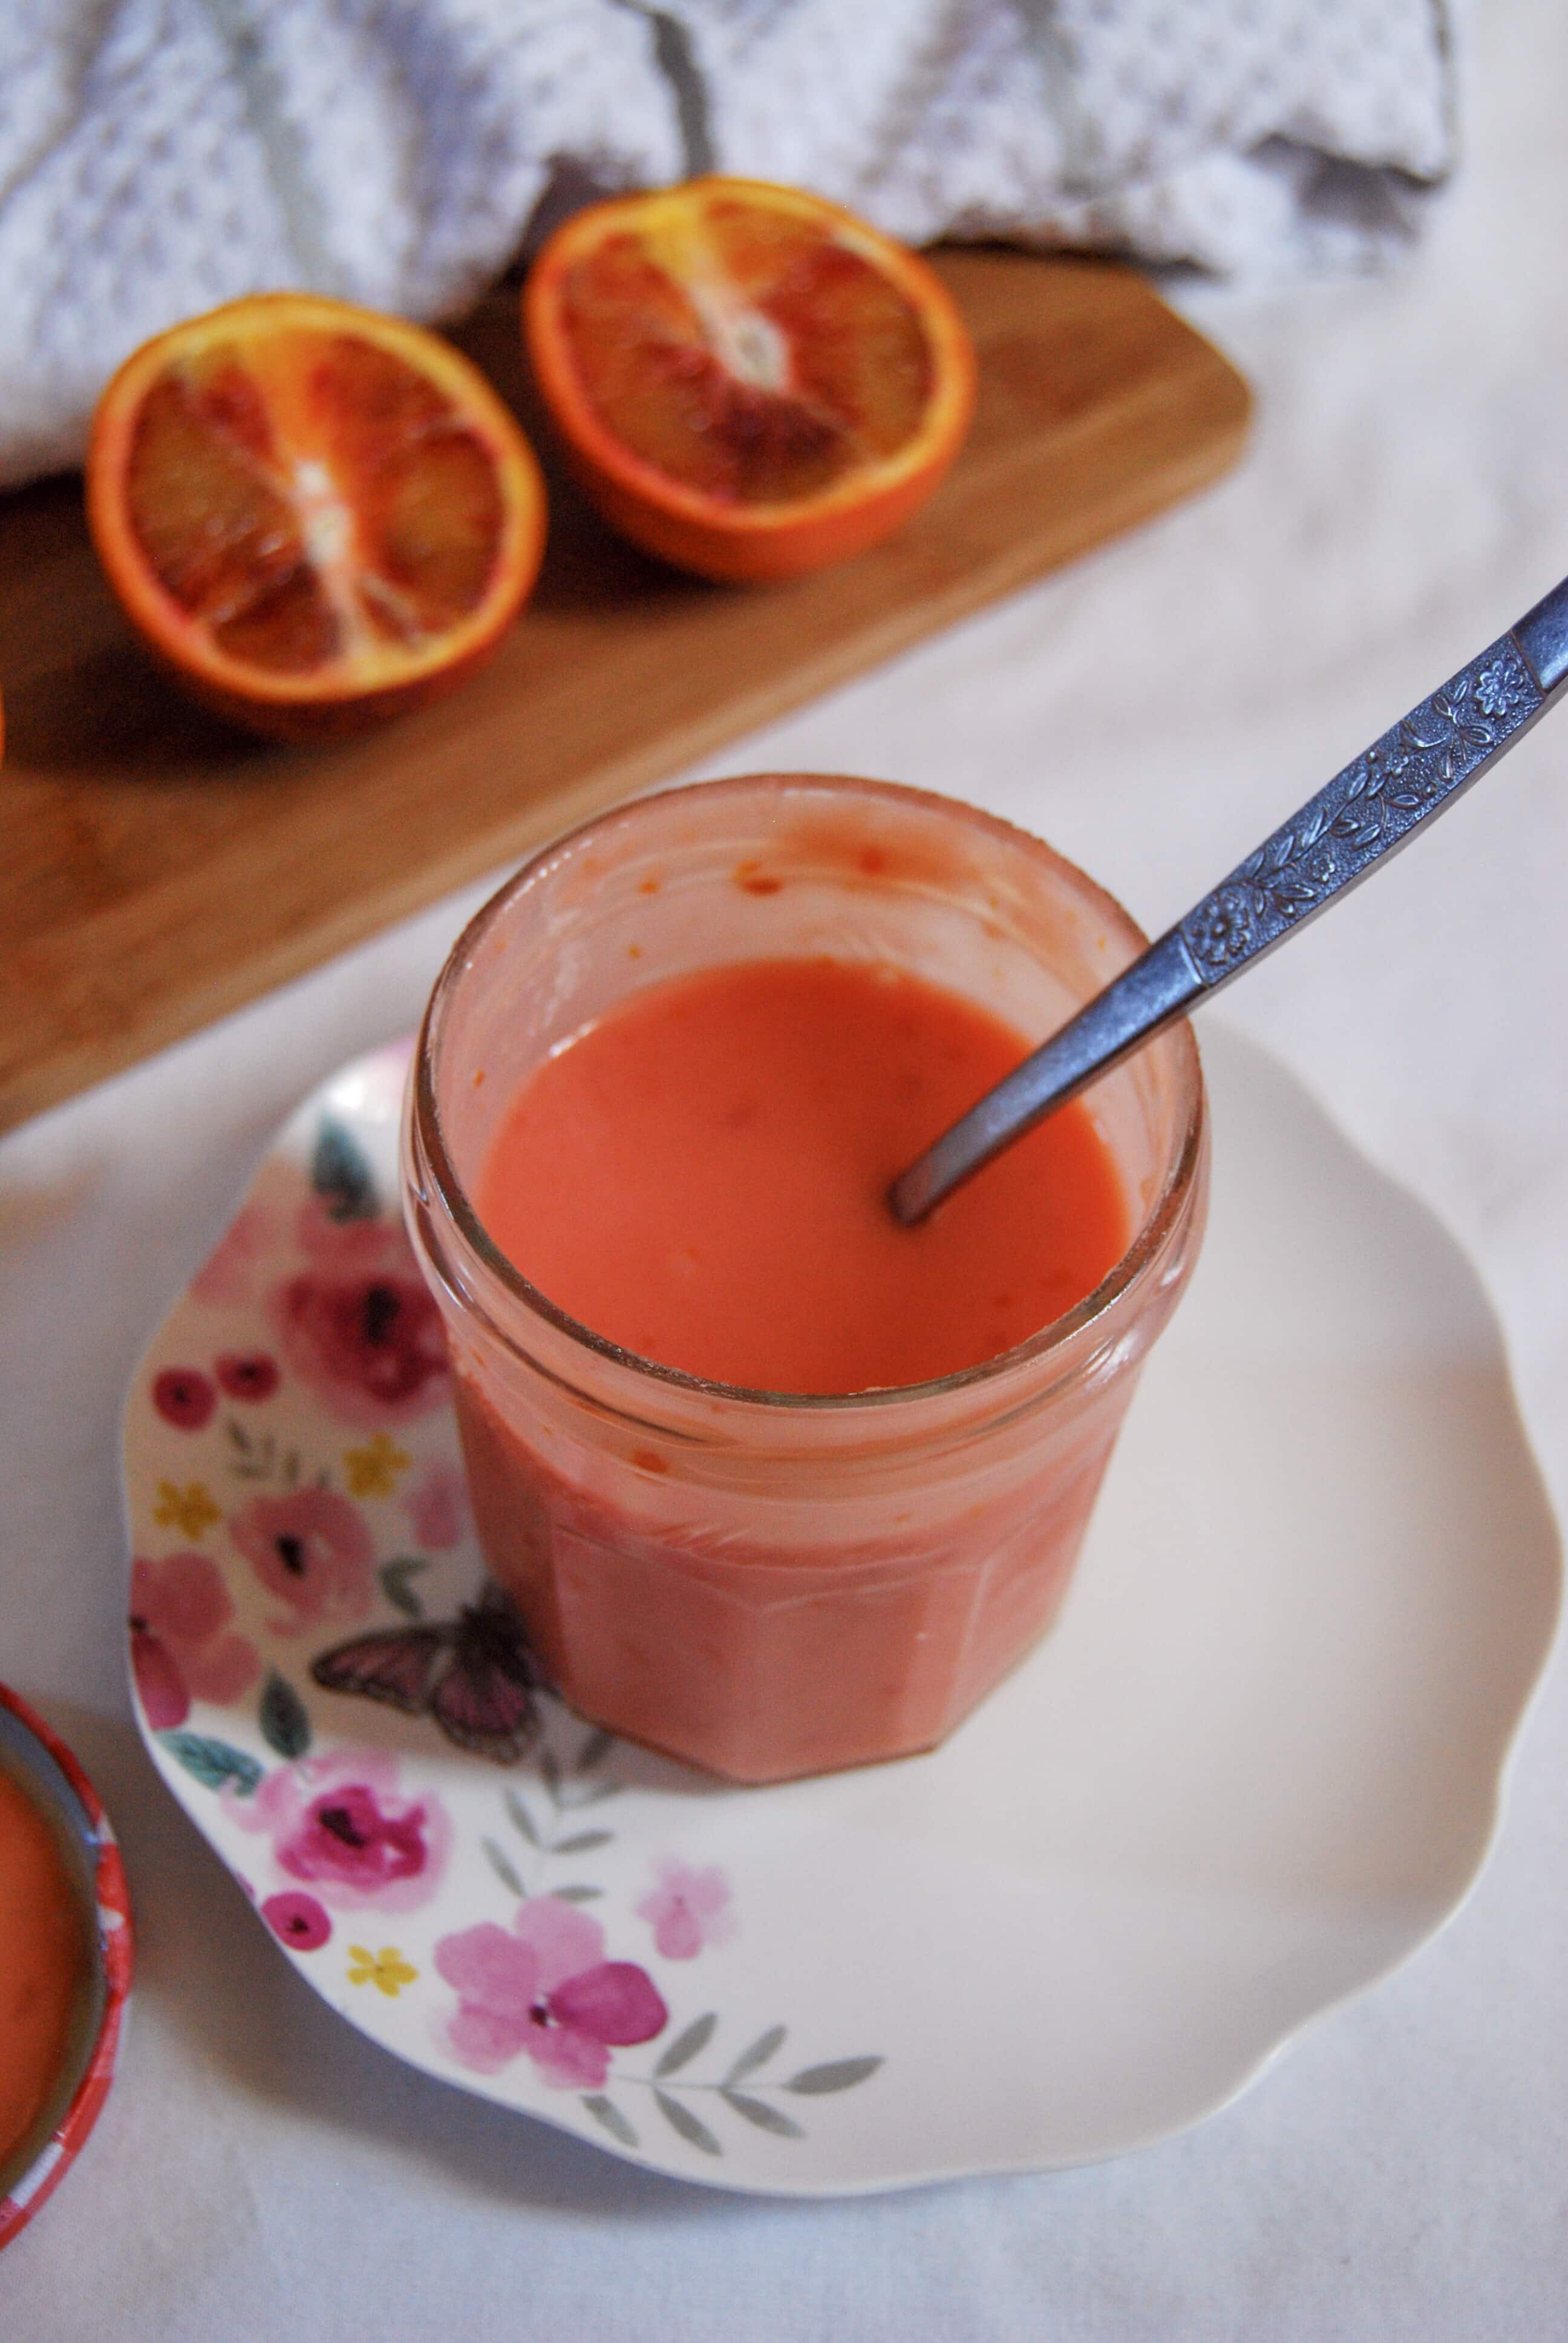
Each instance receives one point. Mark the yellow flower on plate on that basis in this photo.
(189, 1510)
(386, 1970)
(373, 1471)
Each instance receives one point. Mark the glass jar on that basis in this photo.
(769, 1586)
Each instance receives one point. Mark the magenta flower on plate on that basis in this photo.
(297, 1920)
(687, 1909)
(312, 1548)
(341, 1825)
(180, 1646)
(371, 1347)
(543, 1986)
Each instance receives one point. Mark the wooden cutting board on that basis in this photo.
(157, 870)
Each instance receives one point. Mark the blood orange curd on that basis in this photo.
(702, 1175)
(778, 1485)
(64, 1961)
(44, 1964)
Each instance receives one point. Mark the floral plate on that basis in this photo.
(1257, 1764)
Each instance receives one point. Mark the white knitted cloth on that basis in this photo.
(158, 157)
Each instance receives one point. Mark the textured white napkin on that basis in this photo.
(159, 157)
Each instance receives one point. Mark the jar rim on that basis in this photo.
(1131, 1264)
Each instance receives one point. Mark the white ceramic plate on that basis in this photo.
(1257, 1764)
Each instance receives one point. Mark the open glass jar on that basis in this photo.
(769, 1586)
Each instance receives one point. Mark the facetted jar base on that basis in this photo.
(735, 1657)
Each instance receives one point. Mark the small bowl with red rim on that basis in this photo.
(49, 1777)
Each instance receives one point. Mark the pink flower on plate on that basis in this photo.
(227, 1276)
(311, 1547)
(371, 1347)
(342, 1825)
(687, 1909)
(543, 1986)
(180, 1649)
(438, 1506)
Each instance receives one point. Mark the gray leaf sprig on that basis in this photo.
(669, 2087)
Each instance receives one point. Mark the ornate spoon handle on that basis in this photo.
(1417, 770)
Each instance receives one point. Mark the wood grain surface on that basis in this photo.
(157, 870)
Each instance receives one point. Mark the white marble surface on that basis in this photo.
(260, 2171)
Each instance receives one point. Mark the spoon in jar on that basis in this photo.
(1365, 814)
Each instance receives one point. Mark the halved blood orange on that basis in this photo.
(317, 516)
(749, 381)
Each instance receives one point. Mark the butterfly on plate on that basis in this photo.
(476, 1676)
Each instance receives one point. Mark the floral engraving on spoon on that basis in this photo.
(1362, 810)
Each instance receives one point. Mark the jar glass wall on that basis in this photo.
(769, 1586)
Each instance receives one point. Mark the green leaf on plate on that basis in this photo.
(341, 1173)
(395, 1577)
(285, 1720)
(214, 1762)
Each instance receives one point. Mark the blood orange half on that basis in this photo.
(750, 382)
(317, 516)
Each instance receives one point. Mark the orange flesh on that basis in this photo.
(744, 353)
(43, 1962)
(309, 500)
(701, 1176)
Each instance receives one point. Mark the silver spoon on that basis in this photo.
(1414, 773)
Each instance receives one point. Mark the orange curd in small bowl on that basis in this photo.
(43, 1964)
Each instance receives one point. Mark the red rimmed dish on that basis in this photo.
(49, 1777)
